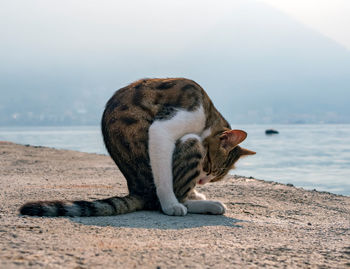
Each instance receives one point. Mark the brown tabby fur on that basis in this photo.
(125, 125)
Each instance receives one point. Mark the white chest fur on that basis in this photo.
(162, 137)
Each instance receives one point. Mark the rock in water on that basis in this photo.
(271, 131)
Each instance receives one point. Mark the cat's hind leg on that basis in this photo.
(187, 158)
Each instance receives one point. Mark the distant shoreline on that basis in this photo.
(89, 140)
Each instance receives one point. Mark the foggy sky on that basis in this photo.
(61, 60)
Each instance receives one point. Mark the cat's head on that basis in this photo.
(223, 152)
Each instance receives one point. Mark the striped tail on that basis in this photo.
(105, 207)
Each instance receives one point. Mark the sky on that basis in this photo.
(329, 17)
(286, 61)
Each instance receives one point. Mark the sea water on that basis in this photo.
(308, 156)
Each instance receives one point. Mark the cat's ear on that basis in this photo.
(244, 152)
(231, 138)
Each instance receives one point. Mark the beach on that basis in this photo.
(266, 223)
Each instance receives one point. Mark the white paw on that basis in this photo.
(216, 208)
(175, 209)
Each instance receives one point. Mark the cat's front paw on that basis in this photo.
(216, 208)
(175, 209)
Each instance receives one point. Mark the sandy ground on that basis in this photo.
(266, 224)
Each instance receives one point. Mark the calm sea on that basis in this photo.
(308, 156)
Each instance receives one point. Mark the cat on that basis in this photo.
(165, 136)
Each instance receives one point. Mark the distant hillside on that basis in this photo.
(257, 64)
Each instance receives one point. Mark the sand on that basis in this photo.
(266, 225)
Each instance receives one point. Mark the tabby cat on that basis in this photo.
(166, 136)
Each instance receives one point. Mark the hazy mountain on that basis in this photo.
(60, 65)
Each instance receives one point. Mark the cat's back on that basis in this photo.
(140, 103)
(149, 95)
(147, 100)
(132, 109)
